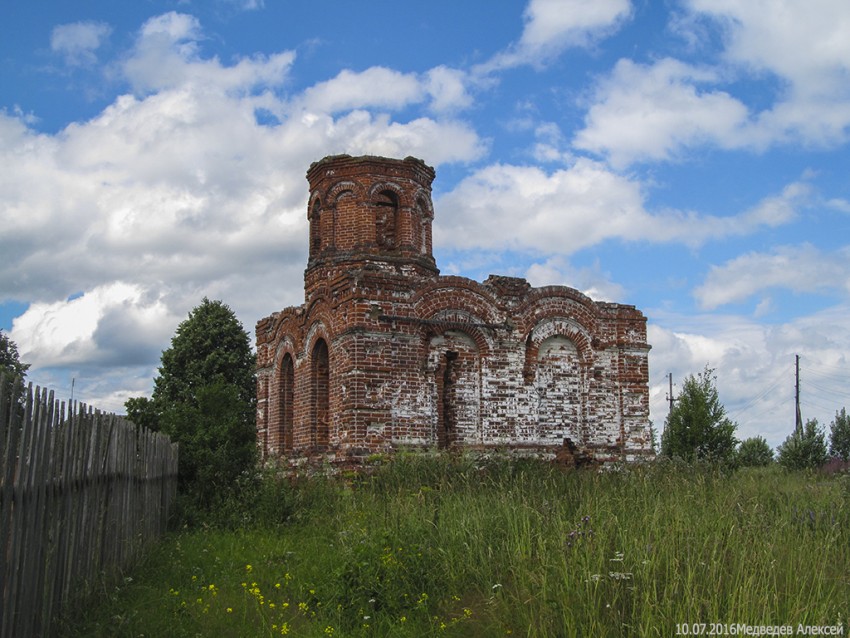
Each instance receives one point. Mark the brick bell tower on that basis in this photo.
(369, 213)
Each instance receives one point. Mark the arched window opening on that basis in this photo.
(287, 399)
(422, 227)
(315, 228)
(386, 219)
(320, 400)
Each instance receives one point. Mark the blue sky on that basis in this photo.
(688, 157)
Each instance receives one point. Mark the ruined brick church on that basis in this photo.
(386, 354)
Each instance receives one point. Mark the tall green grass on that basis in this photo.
(460, 546)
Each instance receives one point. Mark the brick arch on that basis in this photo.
(286, 343)
(552, 302)
(456, 322)
(564, 292)
(554, 327)
(424, 196)
(286, 324)
(380, 187)
(455, 352)
(453, 294)
(318, 330)
(338, 188)
(311, 203)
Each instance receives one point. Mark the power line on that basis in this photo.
(838, 378)
(780, 377)
(825, 410)
(843, 368)
(830, 391)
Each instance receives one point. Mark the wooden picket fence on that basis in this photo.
(80, 495)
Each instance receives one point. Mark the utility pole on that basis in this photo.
(670, 396)
(799, 417)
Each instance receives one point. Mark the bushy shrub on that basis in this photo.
(754, 452)
(804, 450)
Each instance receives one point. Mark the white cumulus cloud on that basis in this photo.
(804, 46)
(98, 327)
(554, 25)
(651, 112)
(77, 42)
(801, 269)
(557, 271)
(523, 207)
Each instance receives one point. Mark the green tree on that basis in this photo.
(804, 450)
(143, 412)
(217, 441)
(10, 362)
(839, 435)
(754, 452)
(211, 345)
(204, 398)
(12, 368)
(697, 428)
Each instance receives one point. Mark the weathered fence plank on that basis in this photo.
(80, 495)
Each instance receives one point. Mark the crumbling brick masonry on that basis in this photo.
(386, 354)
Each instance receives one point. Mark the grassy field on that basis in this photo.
(444, 546)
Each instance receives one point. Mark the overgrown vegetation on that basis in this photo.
(456, 546)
